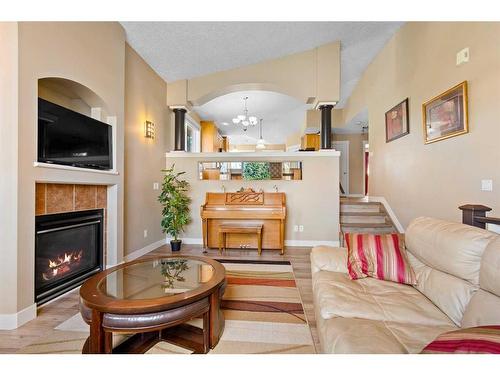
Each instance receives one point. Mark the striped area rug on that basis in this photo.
(261, 305)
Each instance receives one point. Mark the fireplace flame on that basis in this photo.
(62, 264)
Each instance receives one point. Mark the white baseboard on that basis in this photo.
(303, 243)
(146, 249)
(16, 320)
(390, 212)
(188, 240)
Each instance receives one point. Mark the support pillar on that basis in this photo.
(326, 126)
(179, 138)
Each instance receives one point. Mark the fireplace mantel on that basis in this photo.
(37, 164)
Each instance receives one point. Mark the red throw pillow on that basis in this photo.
(382, 256)
(475, 340)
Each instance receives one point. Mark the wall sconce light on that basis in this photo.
(149, 130)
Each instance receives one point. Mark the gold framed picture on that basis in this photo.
(446, 116)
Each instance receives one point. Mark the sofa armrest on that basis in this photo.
(326, 258)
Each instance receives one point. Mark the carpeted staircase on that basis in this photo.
(364, 216)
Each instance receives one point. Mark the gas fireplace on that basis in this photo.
(68, 250)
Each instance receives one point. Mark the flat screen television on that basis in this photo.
(67, 137)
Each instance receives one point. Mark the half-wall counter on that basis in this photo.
(312, 190)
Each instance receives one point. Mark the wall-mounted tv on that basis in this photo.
(69, 138)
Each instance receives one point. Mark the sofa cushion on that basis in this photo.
(475, 340)
(328, 258)
(483, 309)
(382, 256)
(447, 292)
(362, 336)
(489, 276)
(336, 295)
(449, 247)
(357, 336)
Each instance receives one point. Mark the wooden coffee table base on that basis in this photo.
(199, 340)
(186, 336)
(177, 332)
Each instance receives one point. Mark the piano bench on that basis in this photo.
(240, 229)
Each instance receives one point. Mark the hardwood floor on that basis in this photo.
(59, 310)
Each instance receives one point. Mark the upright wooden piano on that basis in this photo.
(245, 207)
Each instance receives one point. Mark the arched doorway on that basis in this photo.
(282, 115)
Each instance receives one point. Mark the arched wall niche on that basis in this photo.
(311, 76)
(243, 87)
(73, 95)
(79, 98)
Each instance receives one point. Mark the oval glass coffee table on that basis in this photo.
(152, 299)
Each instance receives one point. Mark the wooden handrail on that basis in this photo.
(489, 220)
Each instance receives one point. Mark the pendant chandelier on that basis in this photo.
(244, 119)
(260, 143)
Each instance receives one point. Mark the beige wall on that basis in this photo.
(293, 139)
(93, 55)
(312, 201)
(8, 160)
(419, 63)
(356, 153)
(145, 94)
(311, 74)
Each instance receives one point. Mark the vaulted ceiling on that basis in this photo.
(183, 50)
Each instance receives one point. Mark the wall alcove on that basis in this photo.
(80, 188)
(72, 95)
(79, 98)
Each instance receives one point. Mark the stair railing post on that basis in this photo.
(471, 211)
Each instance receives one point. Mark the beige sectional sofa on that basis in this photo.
(458, 285)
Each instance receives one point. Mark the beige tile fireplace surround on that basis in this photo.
(57, 198)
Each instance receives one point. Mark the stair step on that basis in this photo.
(373, 230)
(367, 213)
(360, 207)
(360, 203)
(378, 218)
(368, 225)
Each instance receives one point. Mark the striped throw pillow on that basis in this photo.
(475, 340)
(382, 256)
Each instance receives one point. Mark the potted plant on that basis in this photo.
(175, 203)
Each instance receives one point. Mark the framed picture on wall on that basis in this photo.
(397, 123)
(445, 115)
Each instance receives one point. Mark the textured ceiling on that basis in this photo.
(282, 115)
(183, 50)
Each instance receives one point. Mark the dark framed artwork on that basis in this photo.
(397, 121)
(445, 116)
